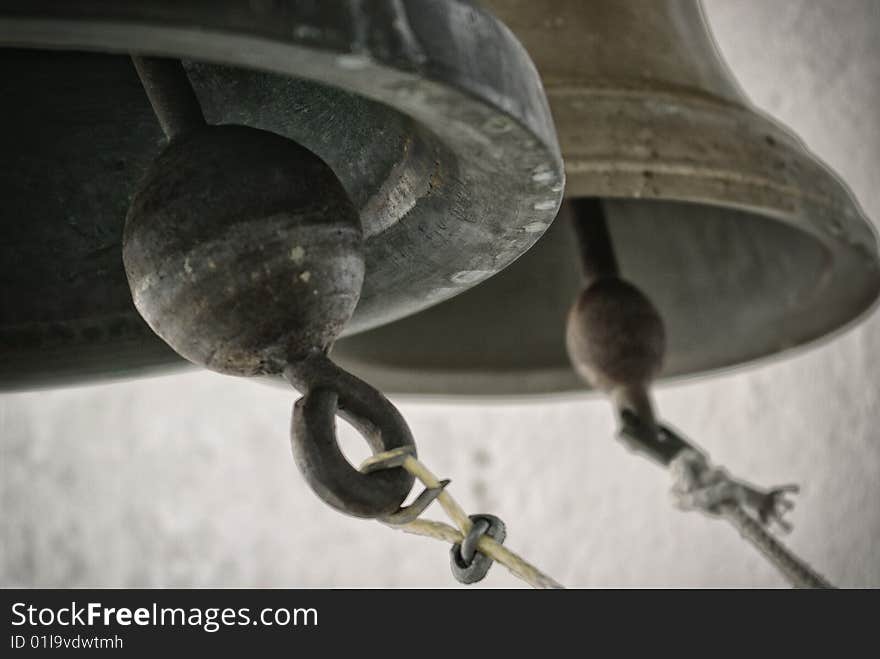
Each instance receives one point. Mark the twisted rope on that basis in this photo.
(798, 573)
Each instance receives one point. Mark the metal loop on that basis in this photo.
(469, 565)
(330, 391)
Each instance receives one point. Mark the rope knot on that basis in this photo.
(698, 485)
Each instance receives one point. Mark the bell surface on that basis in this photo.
(747, 244)
(430, 113)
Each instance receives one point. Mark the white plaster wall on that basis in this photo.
(188, 480)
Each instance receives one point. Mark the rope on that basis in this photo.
(798, 573)
(699, 486)
(518, 566)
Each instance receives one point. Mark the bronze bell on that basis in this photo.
(451, 166)
(748, 245)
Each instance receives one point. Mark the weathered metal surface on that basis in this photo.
(469, 565)
(328, 391)
(747, 244)
(243, 250)
(428, 111)
(171, 95)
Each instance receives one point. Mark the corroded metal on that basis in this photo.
(454, 167)
(243, 250)
(171, 95)
(245, 255)
(747, 244)
(329, 391)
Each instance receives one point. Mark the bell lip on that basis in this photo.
(472, 109)
(436, 386)
(849, 261)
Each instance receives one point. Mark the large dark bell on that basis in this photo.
(242, 250)
(430, 113)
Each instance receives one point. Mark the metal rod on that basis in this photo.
(594, 240)
(168, 87)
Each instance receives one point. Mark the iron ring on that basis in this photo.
(330, 391)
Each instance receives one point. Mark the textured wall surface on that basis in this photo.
(188, 480)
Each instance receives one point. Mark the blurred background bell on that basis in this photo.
(746, 242)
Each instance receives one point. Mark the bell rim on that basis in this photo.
(847, 264)
(559, 383)
(780, 191)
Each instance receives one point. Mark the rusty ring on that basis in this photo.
(330, 391)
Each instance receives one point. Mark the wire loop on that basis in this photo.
(469, 565)
(397, 458)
